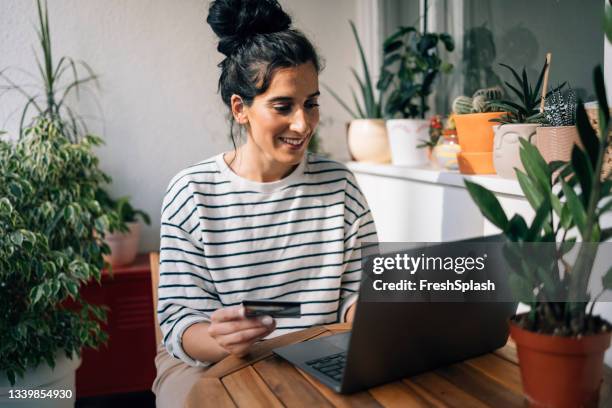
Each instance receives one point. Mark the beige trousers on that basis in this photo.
(174, 379)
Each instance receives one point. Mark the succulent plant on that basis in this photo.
(490, 93)
(526, 110)
(479, 102)
(560, 110)
(462, 105)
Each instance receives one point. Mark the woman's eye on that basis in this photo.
(282, 108)
(312, 105)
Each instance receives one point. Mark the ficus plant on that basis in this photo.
(569, 200)
(50, 229)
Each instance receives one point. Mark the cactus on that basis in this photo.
(480, 103)
(489, 93)
(462, 105)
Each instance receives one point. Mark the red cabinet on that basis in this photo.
(126, 362)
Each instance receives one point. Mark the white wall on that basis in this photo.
(158, 75)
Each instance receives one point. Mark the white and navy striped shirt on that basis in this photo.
(225, 238)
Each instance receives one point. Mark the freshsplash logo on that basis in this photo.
(414, 264)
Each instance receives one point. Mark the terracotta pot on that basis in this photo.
(556, 142)
(560, 371)
(506, 147)
(475, 162)
(367, 141)
(404, 137)
(475, 132)
(124, 246)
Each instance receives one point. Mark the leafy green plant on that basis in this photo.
(411, 64)
(370, 107)
(559, 211)
(527, 109)
(51, 99)
(49, 220)
(122, 207)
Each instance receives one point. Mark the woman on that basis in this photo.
(264, 221)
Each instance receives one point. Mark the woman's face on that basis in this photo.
(281, 121)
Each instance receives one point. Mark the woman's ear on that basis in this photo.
(239, 110)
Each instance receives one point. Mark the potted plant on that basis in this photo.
(48, 216)
(556, 138)
(521, 120)
(472, 117)
(367, 137)
(560, 343)
(411, 65)
(123, 233)
(48, 213)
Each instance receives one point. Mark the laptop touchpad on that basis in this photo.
(339, 340)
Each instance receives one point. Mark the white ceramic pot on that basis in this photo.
(404, 137)
(367, 141)
(61, 378)
(124, 246)
(506, 147)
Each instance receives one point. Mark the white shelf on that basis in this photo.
(428, 174)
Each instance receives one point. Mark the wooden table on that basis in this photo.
(265, 380)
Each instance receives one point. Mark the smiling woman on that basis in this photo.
(264, 221)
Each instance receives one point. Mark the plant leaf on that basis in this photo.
(532, 194)
(584, 173)
(488, 204)
(575, 206)
(535, 166)
(587, 134)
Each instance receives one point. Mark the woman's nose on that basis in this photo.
(299, 123)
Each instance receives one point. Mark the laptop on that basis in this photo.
(397, 339)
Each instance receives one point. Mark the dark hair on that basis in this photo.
(256, 38)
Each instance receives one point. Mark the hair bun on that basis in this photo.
(236, 20)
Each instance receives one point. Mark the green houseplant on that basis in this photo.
(366, 136)
(48, 215)
(123, 234)
(50, 98)
(50, 228)
(558, 133)
(560, 331)
(410, 67)
(521, 120)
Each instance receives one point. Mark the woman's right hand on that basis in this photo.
(236, 333)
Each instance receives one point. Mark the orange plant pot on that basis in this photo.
(560, 371)
(475, 162)
(475, 132)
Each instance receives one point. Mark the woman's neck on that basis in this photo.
(255, 166)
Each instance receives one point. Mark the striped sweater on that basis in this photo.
(225, 238)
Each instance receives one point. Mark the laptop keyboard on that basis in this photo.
(331, 366)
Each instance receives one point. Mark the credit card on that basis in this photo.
(272, 308)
